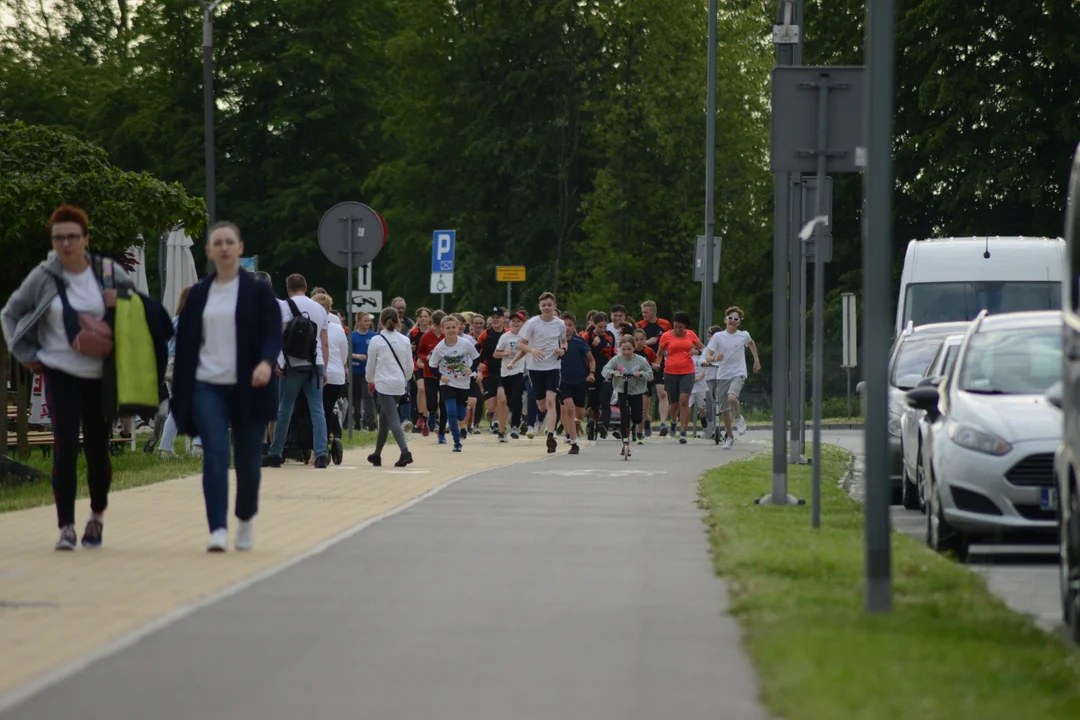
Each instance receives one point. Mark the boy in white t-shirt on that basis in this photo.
(729, 349)
(543, 340)
(455, 361)
(511, 388)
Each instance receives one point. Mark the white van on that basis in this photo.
(952, 279)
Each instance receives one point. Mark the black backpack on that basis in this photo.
(299, 337)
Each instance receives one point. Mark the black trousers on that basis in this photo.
(514, 388)
(330, 395)
(435, 402)
(630, 412)
(599, 399)
(363, 404)
(73, 401)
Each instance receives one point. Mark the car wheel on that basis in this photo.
(909, 491)
(1069, 548)
(920, 482)
(942, 537)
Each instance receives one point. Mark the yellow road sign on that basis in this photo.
(510, 273)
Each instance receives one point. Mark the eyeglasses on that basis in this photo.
(65, 239)
(734, 319)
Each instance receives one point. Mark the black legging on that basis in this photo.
(435, 402)
(514, 388)
(630, 413)
(72, 400)
(330, 395)
(600, 400)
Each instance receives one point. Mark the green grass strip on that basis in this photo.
(130, 470)
(949, 649)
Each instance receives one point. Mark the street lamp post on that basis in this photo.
(710, 165)
(208, 102)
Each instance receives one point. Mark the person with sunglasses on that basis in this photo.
(729, 349)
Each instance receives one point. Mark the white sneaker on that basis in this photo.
(728, 442)
(245, 535)
(407, 426)
(531, 432)
(740, 425)
(219, 541)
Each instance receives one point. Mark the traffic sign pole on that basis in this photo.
(348, 375)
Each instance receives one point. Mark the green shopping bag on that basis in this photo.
(136, 358)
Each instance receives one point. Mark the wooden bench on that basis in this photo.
(44, 440)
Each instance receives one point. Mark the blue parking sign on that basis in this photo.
(442, 251)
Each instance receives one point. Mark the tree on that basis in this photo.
(42, 168)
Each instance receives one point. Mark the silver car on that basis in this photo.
(913, 424)
(988, 452)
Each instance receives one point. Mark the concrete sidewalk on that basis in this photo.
(58, 608)
(580, 587)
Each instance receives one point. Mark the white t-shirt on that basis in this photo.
(508, 343)
(733, 347)
(217, 356)
(314, 312)
(84, 296)
(546, 336)
(454, 362)
(470, 338)
(339, 352)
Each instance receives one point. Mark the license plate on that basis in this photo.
(1048, 498)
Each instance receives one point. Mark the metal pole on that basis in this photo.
(780, 365)
(877, 282)
(819, 293)
(348, 307)
(442, 301)
(710, 172)
(797, 263)
(508, 296)
(849, 392)
(208, 109)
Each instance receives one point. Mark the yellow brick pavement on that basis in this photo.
(56, 608)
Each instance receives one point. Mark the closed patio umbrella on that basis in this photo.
(179, 268)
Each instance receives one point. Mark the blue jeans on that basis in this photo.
(309, 380)
(212, 405)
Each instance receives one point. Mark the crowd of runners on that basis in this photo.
(548, 374)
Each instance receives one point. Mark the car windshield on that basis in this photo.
(1012, 362)
(914, 357)
(927, 303)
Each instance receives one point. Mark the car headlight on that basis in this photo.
(973, 438)
(894, 424)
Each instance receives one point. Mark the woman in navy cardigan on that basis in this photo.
(227, 344)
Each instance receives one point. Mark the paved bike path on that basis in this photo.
(579, 587)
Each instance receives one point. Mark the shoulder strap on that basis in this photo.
(295, 310)
(394, 355)
(71, 318)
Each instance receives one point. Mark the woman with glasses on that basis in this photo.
(728, 348)
(59, 322)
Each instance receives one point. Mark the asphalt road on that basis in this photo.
(1025, 577)
(578, 587)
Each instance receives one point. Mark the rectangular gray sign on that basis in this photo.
(826, 246)
(793, 142)
(699, 258)
(809, 198)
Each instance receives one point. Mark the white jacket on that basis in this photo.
(339, 351)
(389, 379)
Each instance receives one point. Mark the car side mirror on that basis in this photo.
(1055, 394)
(906, 382)
(926, 399)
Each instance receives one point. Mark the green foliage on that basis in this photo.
(42, 168)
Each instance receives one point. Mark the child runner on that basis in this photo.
(643, 349)
(630, 374)
(699, 397)
(511, 390)
(603, 347)
(456, 360)
(729, 348)
(431, 381)
(675, 348)
(417, 391)
(578, 369)
(543, 339)
(491, 366)
(654, 327)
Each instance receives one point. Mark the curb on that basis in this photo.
(810, 426)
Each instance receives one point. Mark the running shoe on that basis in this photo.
(728, 442)
(740, 425)
(663, 430)
(531, 432)
(502, 438)
(425, 430)
(219, 541)
(574, 449)
(552, 444)
(617, 434)
(407, 426)
(603, 431)
(92, 534)
(682, 439)
(523, 429)
(495, 428)
(648, 428)
(514, 434)
(68, 539)
(457, 447)
(245, 536)
(641, 441)
(442, 438)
